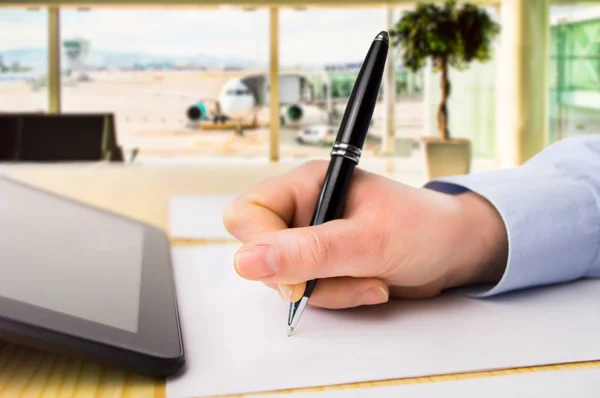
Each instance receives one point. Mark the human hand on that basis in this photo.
(393, 240)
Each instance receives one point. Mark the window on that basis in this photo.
(471, 104)
(574, 71)
(166, 73)
(23, 60)
(321, 50)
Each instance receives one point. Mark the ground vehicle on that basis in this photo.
(317, 135)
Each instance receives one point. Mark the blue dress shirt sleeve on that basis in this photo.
(551, 210)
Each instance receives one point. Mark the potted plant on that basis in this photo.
(449, 36)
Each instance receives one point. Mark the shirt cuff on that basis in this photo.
(551, 219)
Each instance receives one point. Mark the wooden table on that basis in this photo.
(140, 192)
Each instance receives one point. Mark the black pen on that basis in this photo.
(346, 150)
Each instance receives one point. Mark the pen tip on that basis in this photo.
(383, 35)
(290, 331)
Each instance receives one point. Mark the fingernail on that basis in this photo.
(286, 292)
(257, 262)
(376, 295)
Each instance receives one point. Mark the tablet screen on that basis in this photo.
(60, 256)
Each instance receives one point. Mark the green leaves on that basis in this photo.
(457, 34)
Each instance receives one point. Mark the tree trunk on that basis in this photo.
(442, 115)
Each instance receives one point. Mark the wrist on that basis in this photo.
(483, 244)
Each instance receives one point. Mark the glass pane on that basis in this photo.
(176, 79)
(471, 103)
(23, 60)
(574, 71)
(325, 49)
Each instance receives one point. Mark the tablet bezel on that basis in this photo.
(156, 348)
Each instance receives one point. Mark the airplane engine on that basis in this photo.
(302, 115)
(197, 112)
(293, 114)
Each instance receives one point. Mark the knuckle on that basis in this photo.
(313, 252)
(319, 249)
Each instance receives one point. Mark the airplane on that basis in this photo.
(240, 99)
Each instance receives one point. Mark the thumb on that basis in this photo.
(290, 256)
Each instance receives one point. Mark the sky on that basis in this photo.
(326, 35)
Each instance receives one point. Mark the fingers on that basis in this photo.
(292, 293)
(245, 219)
(416, 292)
(327, 287)
(333, 249)
(345, 292)
(276, 203)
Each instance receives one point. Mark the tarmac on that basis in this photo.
(150, 112)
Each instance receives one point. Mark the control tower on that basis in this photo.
(77, 50)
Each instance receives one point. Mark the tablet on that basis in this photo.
(82, 281)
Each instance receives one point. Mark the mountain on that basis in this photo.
(25, 57)
(37, 58)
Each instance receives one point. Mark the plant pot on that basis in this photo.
(446, 157)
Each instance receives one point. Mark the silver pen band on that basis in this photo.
(348, 151)
(296, 316)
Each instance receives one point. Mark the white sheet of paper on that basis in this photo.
(580, 383)
(198, 216)
(234, 332)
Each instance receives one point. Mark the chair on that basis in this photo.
(54, 138)
(9, 137)
(33, 137)
(115, 151)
